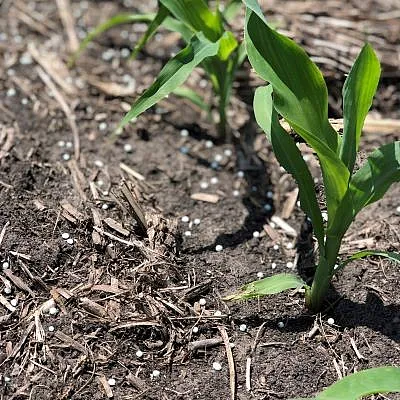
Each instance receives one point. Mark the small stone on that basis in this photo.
(188, 233)
(316, 180)
(65, 235)
(70, 241)
(276, 247)
(203, 83)
(281, 324)
(102, 126)
(236, 193)
(195, 329)
(228, 152)
(66, 156)
(217, 366)
(185, 218)
(24, 101)
(202, 302)
(184, 150)
(289, 246)
(214, 165)
(260, 275)
(53, 311)
(11, 92)
(108, 55)
(68, 145)
(209, 144)
(218, 158)
(6, 265)
(99, 163)
(273, 265)
(240, 174)
(214, 180)
(125, 52)
(184, 133)
(272, 225)
(254, 188)
(289, 265)
(111, 382)
(7, 379)
(104, 206)
(155, 373)
(204, 185)
(324, 216)
(330, 321)
(100, 182)
(256, 234)
(270, 194)
(217, 313)
(61, 143)
(14, 302)
(196, 221)
(7, 290)
(267, 207)
(51, 328)
(218, 247)
(139, 354)
(398, 210)
(243, 327)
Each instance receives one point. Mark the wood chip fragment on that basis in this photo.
(112, 88)
(206, 197)
(116, 226)
(93, 307)
(6, 303)
(133, 324)
(131, 172)
(231, 361)
(71, 210)
(71, 342)
(284, 226)
(18, 282)
(290, 203)
(67, 19)
(354, 346)
(107, 389)
(204, 344)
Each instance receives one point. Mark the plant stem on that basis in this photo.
(222, 132)
(323, 274)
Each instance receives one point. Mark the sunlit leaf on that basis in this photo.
(358, 93)
(300, 96)
(271, 285)
(289, 156)
(174, 73)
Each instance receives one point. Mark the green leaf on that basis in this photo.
(289, 156)
(116, 20)
(363, 383)
(358, 92)
(195, 98)
(231, 10)
(227, 45)
(160, 17)
(197, 15)
(271, 285)
(173, 74)
(367, 185)
(367, 253)
(300, 96)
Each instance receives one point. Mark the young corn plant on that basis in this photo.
(297, 92)
(209, 44)
(363, 383)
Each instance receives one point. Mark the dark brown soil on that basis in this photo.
(116, 294)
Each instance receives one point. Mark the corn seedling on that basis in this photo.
(297, 92)
(209, 45)
(363, 383)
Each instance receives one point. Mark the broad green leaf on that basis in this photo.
(271, 285)
(116, 20)
(358, 92)
(173, 74)
(300, 96)
(363, 383)
(231, 10)
(289, 156)
(195, 98)
(367, 185)
(197, 15)
(227, 45)
(367, 253)
(173, 25)
(160, 17)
